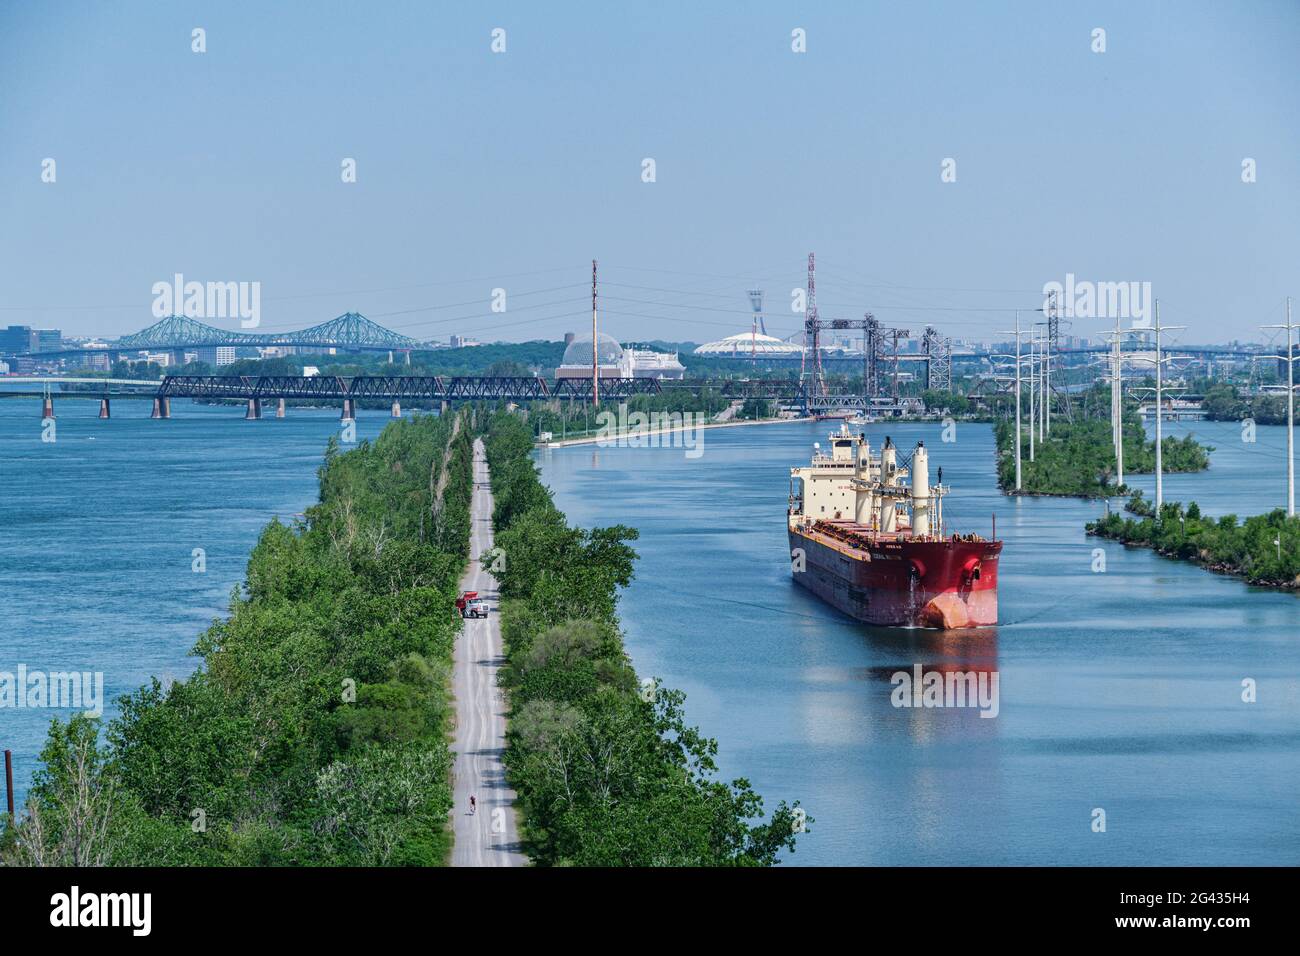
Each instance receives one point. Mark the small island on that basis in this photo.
(1078, 458)
(1263, 549)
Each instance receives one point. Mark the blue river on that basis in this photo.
(99, 528)
(1120, 690)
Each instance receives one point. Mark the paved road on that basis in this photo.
(490, 837)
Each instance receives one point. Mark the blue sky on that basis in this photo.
(478, 170)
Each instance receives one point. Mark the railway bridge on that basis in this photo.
(255, 390)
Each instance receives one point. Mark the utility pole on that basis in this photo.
(1160, 478)
(9, 785)
(1160, 419)
(1018, 335)
(1117, 403)
(1290, 410)
(1044, 398)
(1032, 412)
(595, 347)
(1053, 334)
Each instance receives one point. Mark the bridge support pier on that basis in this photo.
(254, 409)
(103, 408)
(349, 410)
(47, 407)
(279, 408)
(397, 409)
(162, 408)
(443, 406)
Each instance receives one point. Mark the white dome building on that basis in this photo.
(752, 344)
(614, 362)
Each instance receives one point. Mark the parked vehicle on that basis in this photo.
(471, 605)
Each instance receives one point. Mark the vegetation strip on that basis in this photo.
(315, 731)
(1078, 458)
(1263, 549)
(606, 769)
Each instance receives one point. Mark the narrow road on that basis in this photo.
(490, 836)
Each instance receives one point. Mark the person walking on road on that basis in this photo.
(472, 805)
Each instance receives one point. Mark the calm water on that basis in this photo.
(1119, 690)
(97, 532)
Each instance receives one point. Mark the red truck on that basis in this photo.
(471, 605)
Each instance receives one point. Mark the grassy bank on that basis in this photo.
(315, 730)
(1078, 458)
(607, 771)
(1263, 549)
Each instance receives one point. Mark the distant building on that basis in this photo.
(47, 340)
(609, 357)
(217, 356)
(647, 363)
(751, 344)
(16, 339)
(461, 342)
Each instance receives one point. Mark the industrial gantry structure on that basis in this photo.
(880, 358)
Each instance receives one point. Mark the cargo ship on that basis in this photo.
(867, 536)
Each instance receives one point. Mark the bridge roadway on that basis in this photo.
(391, 387)
(398, 388)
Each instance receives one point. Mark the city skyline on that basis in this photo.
(477, 171)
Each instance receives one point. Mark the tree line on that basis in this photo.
(1078, 458)
(315, 730)
(607, 770)
(1263, 549)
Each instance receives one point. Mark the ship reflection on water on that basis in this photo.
(940, 681)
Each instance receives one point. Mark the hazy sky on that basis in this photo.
(478, 170)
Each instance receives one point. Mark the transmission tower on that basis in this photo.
(810, 372)
(938, 360)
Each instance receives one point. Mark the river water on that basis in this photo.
(1119, 690)
(98, 531)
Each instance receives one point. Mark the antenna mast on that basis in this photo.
(812, 332)
(595, 349)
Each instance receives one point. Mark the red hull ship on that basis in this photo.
(873, 545)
